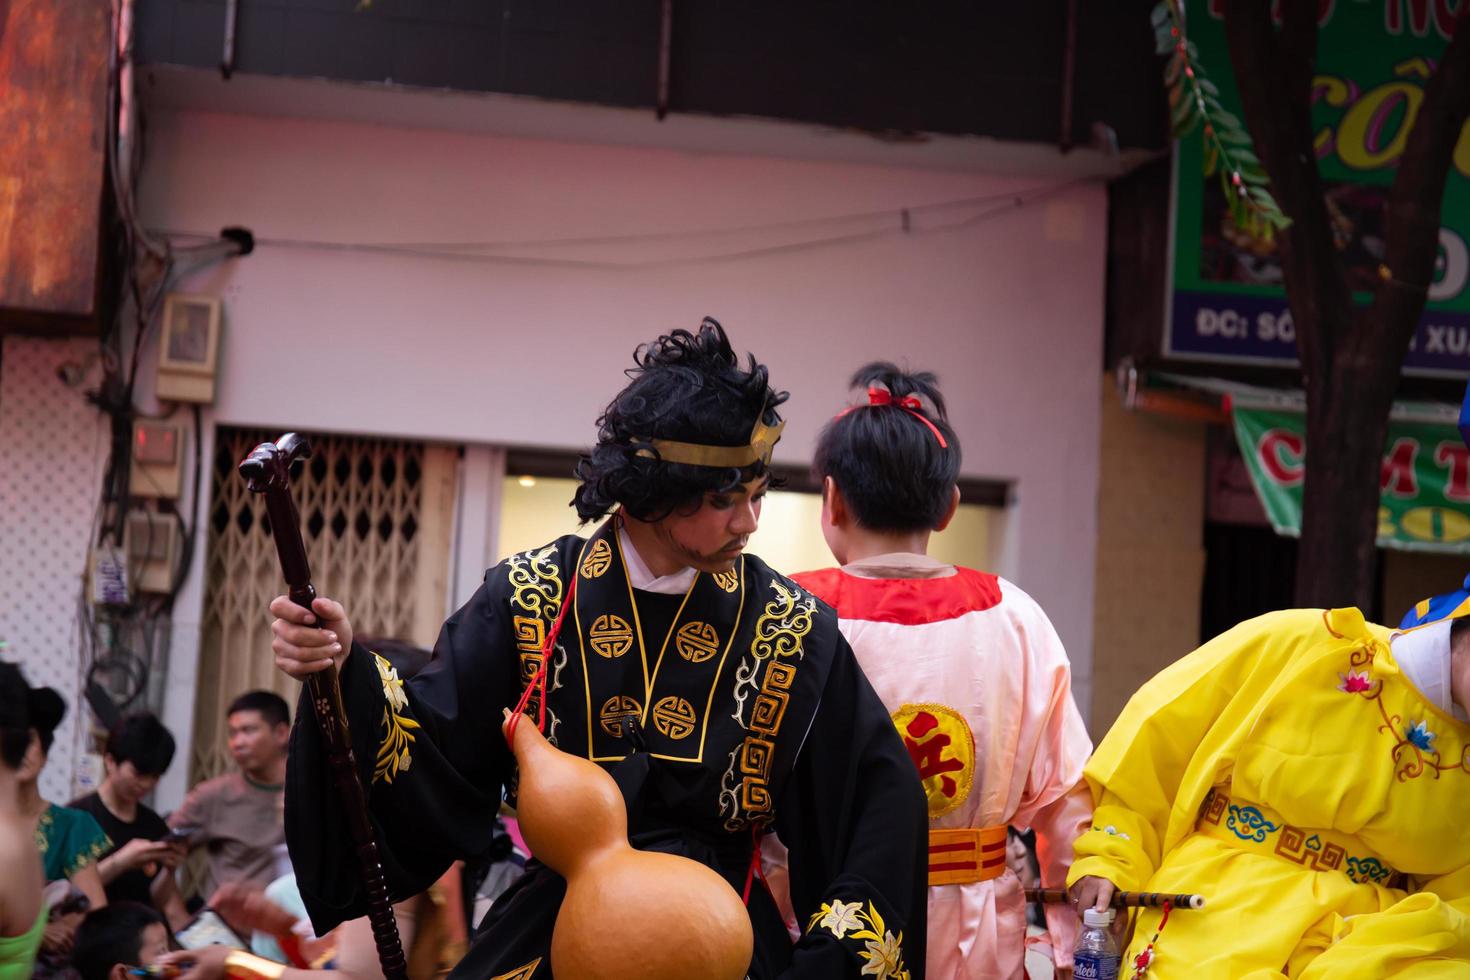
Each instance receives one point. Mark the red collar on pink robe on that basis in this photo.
(905, 601)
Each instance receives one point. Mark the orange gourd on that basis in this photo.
(631, 914)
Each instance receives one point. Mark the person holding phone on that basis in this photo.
(138, 751)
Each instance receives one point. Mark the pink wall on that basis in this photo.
(1008, 311)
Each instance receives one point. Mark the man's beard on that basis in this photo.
(718, 561)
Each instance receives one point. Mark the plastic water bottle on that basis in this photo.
(1096, 956)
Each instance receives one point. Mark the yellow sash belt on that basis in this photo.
(966, 854)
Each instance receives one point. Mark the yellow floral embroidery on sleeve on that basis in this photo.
(393, 754)
(881, 952)
(89, 855)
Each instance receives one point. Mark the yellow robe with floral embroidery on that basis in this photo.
(1304, 712)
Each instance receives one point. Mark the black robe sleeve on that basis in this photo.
(855, 821)
(430, 752)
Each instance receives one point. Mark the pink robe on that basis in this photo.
(947, 648)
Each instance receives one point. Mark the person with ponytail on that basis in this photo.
(71, 841)
(968, 664)
(22, 910)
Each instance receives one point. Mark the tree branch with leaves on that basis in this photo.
(1194, 103)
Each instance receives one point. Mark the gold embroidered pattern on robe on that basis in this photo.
(536, 598)
(745, 797)
(393, 753)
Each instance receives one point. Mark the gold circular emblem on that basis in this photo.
(615, 710)
(674, 717)
(943, 749)
(598, 560)
(697, 642)
(611, 636)
(727, 580)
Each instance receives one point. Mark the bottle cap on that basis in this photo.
(1092, 917)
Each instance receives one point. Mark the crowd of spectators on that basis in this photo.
(104, 887)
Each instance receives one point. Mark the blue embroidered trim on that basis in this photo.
(1366, 870)
(1249, 823)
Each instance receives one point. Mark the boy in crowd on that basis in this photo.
(139, 750)
(117, 938)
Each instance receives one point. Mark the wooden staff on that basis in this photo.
(1121, 900)
(267, 470)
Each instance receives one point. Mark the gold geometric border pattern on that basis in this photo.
(745, 797)
(536, 598)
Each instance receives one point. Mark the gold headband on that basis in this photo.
(763, 439)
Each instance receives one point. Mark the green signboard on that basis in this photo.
(1227, 302)
(1425, 480)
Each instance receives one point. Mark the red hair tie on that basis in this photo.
(909, 403)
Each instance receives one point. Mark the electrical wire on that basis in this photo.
(634, 238)
(188, 531)
(120, 643)
(899, 222)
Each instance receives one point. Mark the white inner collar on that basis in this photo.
(639, 577)
(1423, 655)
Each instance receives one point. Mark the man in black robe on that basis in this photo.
(718, 693)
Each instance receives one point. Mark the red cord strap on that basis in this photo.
(754, 871)
(1144, 960)
(539, 679)
(540, 676)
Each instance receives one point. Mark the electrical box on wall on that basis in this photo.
(188, 352)
(158, 452)
(151, 542)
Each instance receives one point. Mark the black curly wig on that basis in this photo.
(890, 468)
(686, 387)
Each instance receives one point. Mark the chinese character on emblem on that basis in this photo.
(943, 749)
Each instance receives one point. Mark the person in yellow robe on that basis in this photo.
(1309, 774)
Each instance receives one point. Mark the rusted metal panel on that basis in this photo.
(53, 101)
